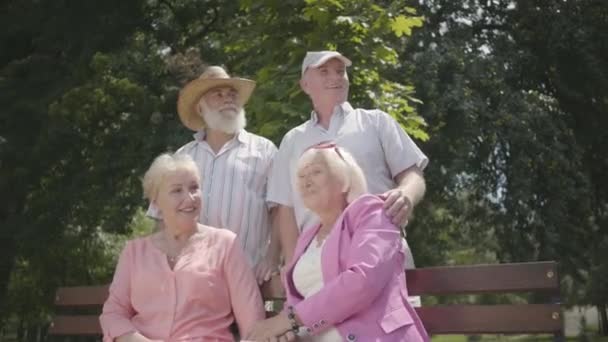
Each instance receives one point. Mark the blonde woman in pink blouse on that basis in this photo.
(187, 282)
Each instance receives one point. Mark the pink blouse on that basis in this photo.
(211, 285)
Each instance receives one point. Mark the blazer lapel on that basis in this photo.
(330, 255)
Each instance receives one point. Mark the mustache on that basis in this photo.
(230, 107)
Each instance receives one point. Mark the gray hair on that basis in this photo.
(343, 164)
(163, 165)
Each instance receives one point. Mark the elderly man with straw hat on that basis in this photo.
(234, 164)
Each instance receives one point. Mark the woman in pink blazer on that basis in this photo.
(346, 281)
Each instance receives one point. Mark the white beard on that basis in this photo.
(227, 123)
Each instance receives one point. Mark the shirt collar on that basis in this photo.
(242, 136)
(343, 108)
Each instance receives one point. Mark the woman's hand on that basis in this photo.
(287, 337)
(277, 328)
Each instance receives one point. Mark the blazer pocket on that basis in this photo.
(396, 319)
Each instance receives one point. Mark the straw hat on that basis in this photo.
(213, 77)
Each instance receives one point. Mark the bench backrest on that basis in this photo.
(439, 319)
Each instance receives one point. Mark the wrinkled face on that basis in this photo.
(327, 83)
(179, 198)
(222, 99)
(220, 110)
(318, 185)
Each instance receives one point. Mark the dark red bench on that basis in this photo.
(541, 278)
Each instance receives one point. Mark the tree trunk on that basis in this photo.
(20, 329)
(603, 318)
(7, 262)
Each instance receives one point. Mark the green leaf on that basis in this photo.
(402, 25)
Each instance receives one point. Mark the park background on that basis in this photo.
(509, 99)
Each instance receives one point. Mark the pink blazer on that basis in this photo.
(364, 295)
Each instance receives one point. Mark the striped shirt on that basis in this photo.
(233, 187)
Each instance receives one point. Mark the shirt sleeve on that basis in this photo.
(279, 183)
(245, 297)
(400, 151)
(117, 311)
(271, 153)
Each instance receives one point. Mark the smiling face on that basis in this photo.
(179, 198)
(326, 84)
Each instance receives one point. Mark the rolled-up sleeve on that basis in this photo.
(117, 311)
(400, 151)
(271, 154)
(279, 184)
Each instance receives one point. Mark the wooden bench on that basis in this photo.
(540, 278)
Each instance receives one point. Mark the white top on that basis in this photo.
(377, 142)
(234, 183)
(308, 280)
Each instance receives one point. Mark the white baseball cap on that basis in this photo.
(315, 59)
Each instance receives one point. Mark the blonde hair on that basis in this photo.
(343, 164)
(161, 167)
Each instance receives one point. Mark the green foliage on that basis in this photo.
(88, 100)
(86, 257)
(271, 44)
(403, 25)
(509, 98)
(514, 95)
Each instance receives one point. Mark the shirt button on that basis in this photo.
(308, 330)
(322, 322)
(315, 326)
(351, 337)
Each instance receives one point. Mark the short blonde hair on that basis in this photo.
(343, 164)
(163, 165)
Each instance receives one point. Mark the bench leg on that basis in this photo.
(559, 337)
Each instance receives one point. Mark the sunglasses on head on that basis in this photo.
(327, 144)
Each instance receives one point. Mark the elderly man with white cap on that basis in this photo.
(234, 164)
(390, 160)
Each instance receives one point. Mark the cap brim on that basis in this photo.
(329, 56)
(191, 94)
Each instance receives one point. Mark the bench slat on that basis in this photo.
(424, 281)
(492, 319)
(75, 325)
(477, 279)
(453, 319)
(78, 296)
(81, 295)
(465, 319)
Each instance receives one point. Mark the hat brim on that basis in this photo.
(191, 94)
